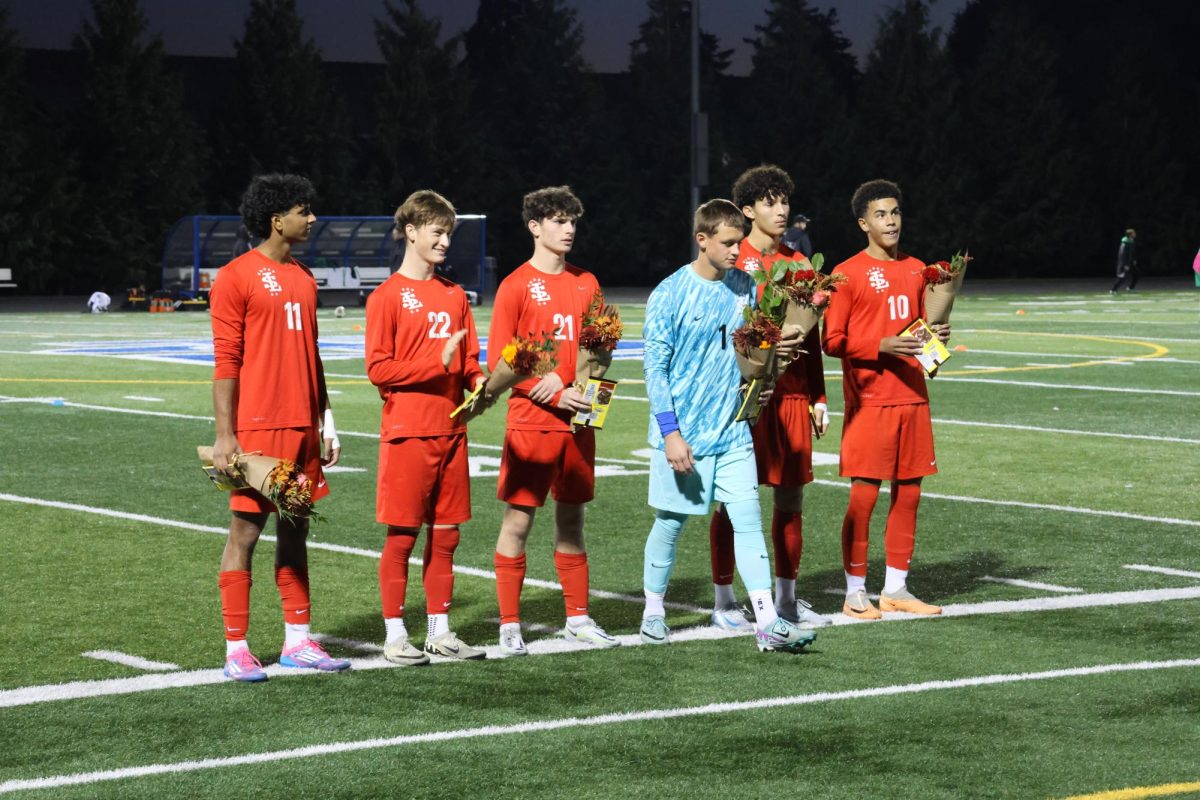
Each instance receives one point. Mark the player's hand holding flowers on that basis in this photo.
(279, 480)
(523, 358)
(943, 282)
(599, 332)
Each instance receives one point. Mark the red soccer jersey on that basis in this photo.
(804, 377)
(530, 302)
(408, 323)
(878, 299)
(264, 323)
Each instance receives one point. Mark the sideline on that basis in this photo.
(601, 720)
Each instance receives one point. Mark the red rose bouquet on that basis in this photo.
(599, 332)
(943, 282)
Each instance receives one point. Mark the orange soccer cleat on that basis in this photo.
(857, 606)
(903, 600)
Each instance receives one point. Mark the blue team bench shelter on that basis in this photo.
(344, 253)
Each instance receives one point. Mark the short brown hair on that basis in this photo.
(423, 207)
(873, 190)
(712, 215)
(551, 201)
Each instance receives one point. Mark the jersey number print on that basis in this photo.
(439, 324)
(898, 306)
(292, 312)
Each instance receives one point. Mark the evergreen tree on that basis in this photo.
(425, 135)
(797, 114)
(283, 116)
(909, 130)
(137, 149)
(658, 129)
(1019, 154)
(535, 103)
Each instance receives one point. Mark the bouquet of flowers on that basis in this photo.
(523, 358)
(795, 294)
(277, 479)
(943, 281)
(599, 333)
(754, 344)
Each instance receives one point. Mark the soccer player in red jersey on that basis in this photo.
(543, 453)
(783, 432)
(268, 395)
(887, 433)
(421, 352)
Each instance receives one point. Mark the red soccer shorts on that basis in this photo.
(888, 442)
(536, 463)
(295, 444)
(423, 481)
(783, 442)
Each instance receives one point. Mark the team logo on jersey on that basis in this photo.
(876, 279)
(752, 265)
(410, 301)
(537, 290)
(267, 275)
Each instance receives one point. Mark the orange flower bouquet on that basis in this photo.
(808, 294)
(943, 282)
(599, 332)
(277, 479)
(754, 345)
(523, 358)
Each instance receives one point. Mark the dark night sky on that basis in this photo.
(344, 29)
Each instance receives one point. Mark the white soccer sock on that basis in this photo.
(763, 607)
(894, 581)
(723, 594)
(654, 604)
(785, 592)
(395, 628)
(510, 627)
(578, 620)
(233, 647)
(437, 625)
(854, 583)
(294, 634)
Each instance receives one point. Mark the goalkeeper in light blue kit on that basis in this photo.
(701, 454)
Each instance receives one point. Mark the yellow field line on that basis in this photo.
(1136, 793)
(1156, 351)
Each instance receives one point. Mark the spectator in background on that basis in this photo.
(99, 302)
(1127, 266)
(1196, 268)
(241, 242)
(796, 237)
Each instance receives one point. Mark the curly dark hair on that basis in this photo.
(269, 195)
(761, 183)
(873, 190)
(550, 202)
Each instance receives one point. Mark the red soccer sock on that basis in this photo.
(393, 571)
(720, 545)
(573, 575)
(856, 527)
(438, 571)
(787, 537)
(510, 577)
(235, 602)
(900, 535)
(293, 591)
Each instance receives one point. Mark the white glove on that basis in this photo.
(822, 413)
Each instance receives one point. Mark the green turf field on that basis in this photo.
(1060, 536)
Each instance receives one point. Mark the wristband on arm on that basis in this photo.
(328, 431)
(667, 423)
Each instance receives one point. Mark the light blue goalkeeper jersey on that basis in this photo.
(689, 363)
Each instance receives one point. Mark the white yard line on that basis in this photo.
(1179, 573)
(137, 662)
(1076, 387)
(596, 721)
(1042, 506)
(1044, 587)
(143, 398)
(319, 545)
(1069, 431)
(102, 688)
(352, 644)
